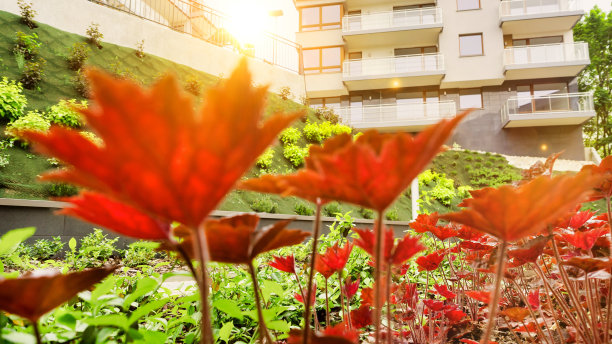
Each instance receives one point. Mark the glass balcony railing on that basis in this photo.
(392, 20)
(394, 65)
(546, 53)
(580, 104)
(396, 115)
(510, 8)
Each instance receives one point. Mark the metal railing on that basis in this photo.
(546, 53)
(511, 8)
(392, 19)
(578, 103)
(396, 115)
(212, 26)
(394, 65)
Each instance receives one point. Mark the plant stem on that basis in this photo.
(378, 257)
(608, 327)
(202, 251)
(263, 330)
(37, 332)
(341, 295)
(494, 305)
(327, 317)
(388, 292)
(313, 257)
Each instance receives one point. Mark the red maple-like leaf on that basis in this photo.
(534, 299)
(482, 296)
(371, 171)
(239, 233)
(322, 268)
(425, 223)
(539, 169)
(361, 317)
(585, 240)
(286, 264)
(443, 291)
(529, 252)
(511, 213)
(394, 254)
(298, 297)
(434, 305)
(589, 264)
(444, 232)
(158, 154)
(32, 295)
(581, 218)
(475, 246)
(604, 171)
(469, 233)
(118, 217)
(335, 257)
(351, 287)
(516, 313)
(430, 262)
(340, 334)
(454, 315)
(341, 330)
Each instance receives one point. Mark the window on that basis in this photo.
(542, 97)
(470, 98)
(322, 60)
(464, 5)
(331, 103)
(471, 45)
(321, 17)
(537, 41)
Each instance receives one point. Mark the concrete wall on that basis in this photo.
(127, 30)
(19, 213)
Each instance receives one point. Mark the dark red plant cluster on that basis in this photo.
(521, 257)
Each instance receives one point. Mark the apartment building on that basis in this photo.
(403, 65)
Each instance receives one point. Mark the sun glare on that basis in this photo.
(248, 21)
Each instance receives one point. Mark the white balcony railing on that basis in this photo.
(510, 8)
(546, 53)
(396, 115)
(392, 20)
(412, 64)
(580, 104)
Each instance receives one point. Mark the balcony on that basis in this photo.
(546, 60)
(420, 26)
(393, 72)
(397, 117)
(529, 16)
(554, 109)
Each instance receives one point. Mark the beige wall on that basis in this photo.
(325, 85)
(323, 38)
(126, 30)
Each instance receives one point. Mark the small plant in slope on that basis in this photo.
(12, 100)
(27, 13)
(140, 49)
(94, 35)
(77, 56)
(65, 113)
(27, 45)
(33, 73)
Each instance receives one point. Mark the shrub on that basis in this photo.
(285, 93)
(302, 208)
(33, 120)
(92, 137)
(139, 253)
(26, 45)
(27, 13)
(64, 114)
(295, 154)
(12, 100)
(313, 132)
(367, 213)
(265, 160)
(290, 136)
(194, 85)
(80, 83)
(4, 160)
(61, 190)
(392, 215)
(332, 209)
(94, 35)
(264, 204)
(140, 49)
(327, 114)
(318, 132)
(45, 249)
(77, 56)
(33, 73)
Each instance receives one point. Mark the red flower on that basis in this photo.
(335, 257)
(443, 291)
(33, 295)
(322, 268)
(530, 252)
(286, 264)
(511, 213)
(430, 262)
(397, 254)
(361, 317)
(159, 155)
(587, 239)
(351, 288)
(371, 171)
(118, 217)
(425, 223)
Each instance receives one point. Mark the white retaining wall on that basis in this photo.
(123, 29)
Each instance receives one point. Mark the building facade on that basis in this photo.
(403, 65)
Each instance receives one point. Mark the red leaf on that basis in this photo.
(444, 232)
(322, 268)
(395, 254)
(468, 233)
(516, 313)
(587, 239)
(589, 264)
(430, 262)
(540, 169)
(361, 317)
(529, 252)
(511, 213)
(335, 257)
(424, 223)
(482, 296)
(443, 291)
(475, 246)
(434, 305)
(286, 264)
(159, 155)
(32, 295)
(534, 299)
(455, 315)
(581, 218)
(351, 287)
(604, 171)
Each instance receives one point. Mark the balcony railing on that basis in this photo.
(407, 64)
(546, 53)
(580, 104)
(511, 8)
(392, 20)
(212, 26)
(396, 115)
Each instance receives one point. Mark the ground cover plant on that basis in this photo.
(524, 250)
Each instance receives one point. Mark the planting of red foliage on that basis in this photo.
(335, 257)
(584, 240)
(154, 142)
(511, 213)
(361, 317)
(286, 264)
(430, 262)
(425, 223)
(33, 295)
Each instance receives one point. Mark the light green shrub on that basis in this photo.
(290, 136)
(264, 204)
(33, 120)
(12, 100)
(265, 160)
(313, 132)
(295, 154)
(318, 132)
(92, 137)
(64, 113)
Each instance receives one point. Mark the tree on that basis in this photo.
(596, 30)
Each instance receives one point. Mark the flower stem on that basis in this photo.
(313, 257)
(263, 330)
(378, 257)
(202, 248)
(341, 295)
(388, 292)
(37, 332)
(608, 327)
(494, 305)
(327, 317)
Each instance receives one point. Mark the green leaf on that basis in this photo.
(11, 240)
(20, 338)
(150, 337)
(67, 320)
(143, 287)
(278, 325)
(270, 287)
(102, 289)
(229, 307)
(72, 243)
(112, 320)
(226, 331)
(146, 309)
